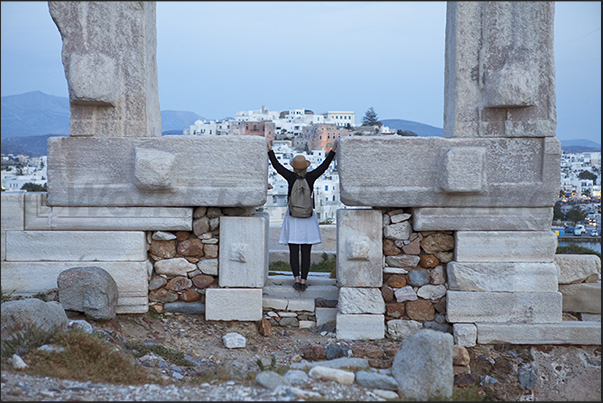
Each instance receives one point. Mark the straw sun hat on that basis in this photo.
(300, 163)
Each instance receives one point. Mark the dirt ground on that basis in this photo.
(565, 373)
(202, 339)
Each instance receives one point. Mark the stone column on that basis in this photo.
(109, 56)
(361, 307)
(499, 69)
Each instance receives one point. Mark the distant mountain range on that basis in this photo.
(29, 119)
(420, 129)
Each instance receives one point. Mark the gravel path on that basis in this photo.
(21, 387)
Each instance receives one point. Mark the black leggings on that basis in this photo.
(305, 259)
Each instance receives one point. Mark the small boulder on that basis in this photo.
(91, 290)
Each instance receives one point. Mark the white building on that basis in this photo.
(291, 123)
(15, 176)
(202, 128)
(257, 115)
(340, 118)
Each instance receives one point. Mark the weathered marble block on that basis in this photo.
(578, 268)
(567, 332)
(326, 315)
(360, 327)
(503, 307)
(500, 276)
(38, 216)
(582, 297)
(3, 245)
(238, 304)
(505, 246)
(243, 257)
(354, 300)
(419, 172)
(359, 248)
(12, 209)
(482, 219)
(217, 171)
(76, 246)
(465, 334)
(33, 277)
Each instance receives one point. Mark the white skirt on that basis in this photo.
(300, 230)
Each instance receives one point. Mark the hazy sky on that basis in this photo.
(217, 58)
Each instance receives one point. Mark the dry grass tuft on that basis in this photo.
(88, 358)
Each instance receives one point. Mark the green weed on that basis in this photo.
(168, 354)
(576, 250)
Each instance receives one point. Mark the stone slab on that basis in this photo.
(503, 307)
(567, 332)
(359, 248)
(505, 277)
(591, 317)
(274, 303)
(353, 300)
(505, 246)
(3, 245)
(76, 246)
(577, 268)
(325, 315)
(29, 278)
(221, 171)
(482, 219)
(581, 297)
(410, 170)
(330, 292)
(360, 327)
(239, 304)
(288, 279)
(288, 304)
(465, 334)
(243, 251)
(38, 216)
(12, 209)
(301, 304)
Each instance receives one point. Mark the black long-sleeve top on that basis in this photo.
(290, 176)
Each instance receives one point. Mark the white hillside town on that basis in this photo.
(301, 131)
(17, 170)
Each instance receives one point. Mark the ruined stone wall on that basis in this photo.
(186, 263)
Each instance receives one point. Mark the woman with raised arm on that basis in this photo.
(297, 232)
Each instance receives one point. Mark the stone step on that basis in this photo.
(329, 292)
(276, 255)
(288, 304)
(287, 279)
